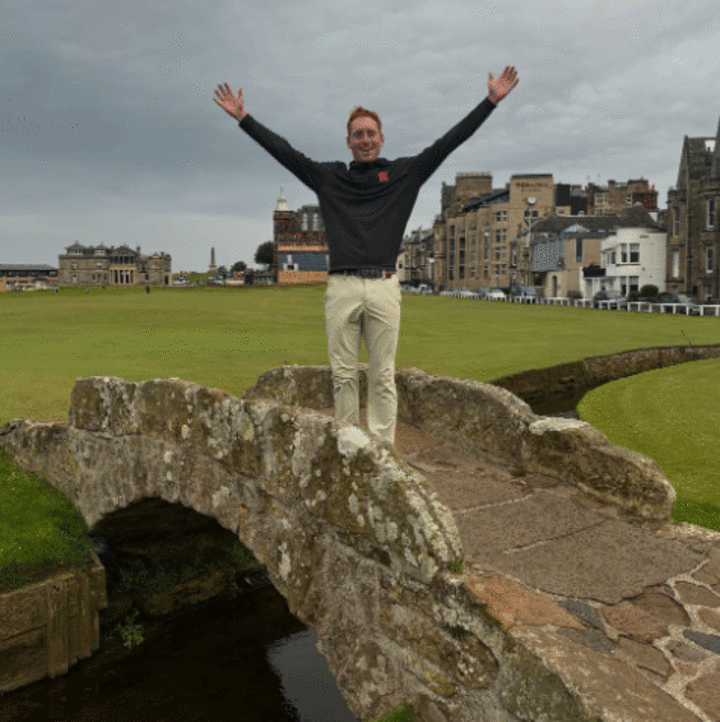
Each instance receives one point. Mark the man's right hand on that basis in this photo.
(230, 103)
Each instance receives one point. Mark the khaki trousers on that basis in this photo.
(369, 307)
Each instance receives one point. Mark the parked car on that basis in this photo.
(690, 304)
(466, 293)
(614, 298)
(495, 294)
(523, 292)
(180, 281)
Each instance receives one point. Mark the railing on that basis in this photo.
(642, 306)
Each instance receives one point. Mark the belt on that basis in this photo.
(365, 272)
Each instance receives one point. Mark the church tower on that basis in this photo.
(282, 227)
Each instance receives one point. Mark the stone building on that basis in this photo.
(416, 258)
(103, 266)
(476, 235)
(482, 236)
(693, 227)
(584, 254)
(27, 276)
(616, 197)
(301, 254)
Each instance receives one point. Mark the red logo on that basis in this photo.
(382, 176)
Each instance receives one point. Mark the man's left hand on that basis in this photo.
(499, 88)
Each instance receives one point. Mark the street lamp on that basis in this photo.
(530, 203)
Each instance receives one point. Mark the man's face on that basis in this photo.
(365, 141)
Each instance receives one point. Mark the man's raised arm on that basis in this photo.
(232, 104)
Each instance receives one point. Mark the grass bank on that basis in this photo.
(227, 337)
(673, 416)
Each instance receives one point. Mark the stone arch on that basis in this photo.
(355, 540)
(335, 516)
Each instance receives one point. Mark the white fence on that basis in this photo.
(643, 306)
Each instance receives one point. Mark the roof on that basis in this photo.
(633, 217)
(501, 195)
(26, 267)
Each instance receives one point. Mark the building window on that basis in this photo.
(623, 253)
(451, 259)
(472, 271)
(711, 213)
(623, 285)
(486, 236)
(474, 239)
(497, 253)
(486, 253)
(578, 250)
(461, 259)
(634, 253)
(451, 276)
(709, 259)
(634, 280)
(486, 269)
(628, 198)
(676, 221)
(504, 269)
(461, 273)
(452, 244)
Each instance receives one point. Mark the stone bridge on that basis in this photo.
(456, 601)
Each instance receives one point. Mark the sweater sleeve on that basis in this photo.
(303, 168)
(427, 162)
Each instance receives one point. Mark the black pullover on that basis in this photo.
(365, 208)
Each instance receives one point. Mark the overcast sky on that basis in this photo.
(108, 131)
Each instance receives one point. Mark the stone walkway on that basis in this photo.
(540, 552)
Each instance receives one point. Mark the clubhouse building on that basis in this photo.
(103, 266)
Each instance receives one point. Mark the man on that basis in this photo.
(365, 209)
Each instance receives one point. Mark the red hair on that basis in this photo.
(360, 111)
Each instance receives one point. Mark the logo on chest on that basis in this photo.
(383, 176)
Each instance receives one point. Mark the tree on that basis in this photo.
(239, 267)
(264, 253)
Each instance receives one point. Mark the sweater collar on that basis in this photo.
(377, 163)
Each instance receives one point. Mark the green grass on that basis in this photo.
(226, 337)
(673, 416)
(40, 529)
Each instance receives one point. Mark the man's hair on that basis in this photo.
(363, 111)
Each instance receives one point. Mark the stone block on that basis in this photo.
(567, 682)
(634, 622)
(513, 604)
(695, 594)
(705, 692)
(644, 656)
